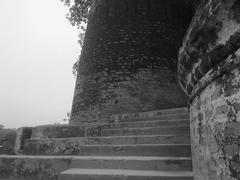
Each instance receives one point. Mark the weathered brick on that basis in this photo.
(137, 50)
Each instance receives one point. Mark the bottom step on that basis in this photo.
(112, 174)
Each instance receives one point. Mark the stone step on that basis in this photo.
(182, 150)
(160, 117)
(97, 162)
(32, 146)
(168, 130)
(19, 167)
(133, 162)
(113, 174)
(66, 131)
(152, 123)
(146, 114)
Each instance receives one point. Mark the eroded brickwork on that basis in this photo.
(128, 62)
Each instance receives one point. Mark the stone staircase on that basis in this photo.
(139, 146)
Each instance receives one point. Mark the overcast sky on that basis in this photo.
(38, 47)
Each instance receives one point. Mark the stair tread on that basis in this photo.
(119, 150)
(133, 122)
(144, 128)
(76, 171)
(96, 157)
(150, 121)
(132, 158)
(159, 118)
(108, 137)
(124, 155)
(132, 145)
(168, 111)
(159, 115)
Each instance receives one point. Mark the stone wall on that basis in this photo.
(215, 125)
(128, 62)
(7, 141)
(213, 35)
(209, 73)
(33, 167)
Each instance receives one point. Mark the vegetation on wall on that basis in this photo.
(78, 17)
(78, 11)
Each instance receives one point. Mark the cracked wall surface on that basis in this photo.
(209, 73)
(212, 36)
(215, 129)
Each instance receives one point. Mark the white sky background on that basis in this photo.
(38, 47)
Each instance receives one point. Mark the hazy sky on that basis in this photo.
(38, 47)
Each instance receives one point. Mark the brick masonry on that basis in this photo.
(128, 62)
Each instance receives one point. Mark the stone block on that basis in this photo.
(114, 150)
(32, 167)
(65, 131)
(149, 114)
(7, 141)
(23, 133)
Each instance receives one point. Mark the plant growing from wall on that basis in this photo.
(78, 16)
(78, 11)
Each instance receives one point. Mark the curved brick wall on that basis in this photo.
(212, 36)
(128, 62)
(209, 72)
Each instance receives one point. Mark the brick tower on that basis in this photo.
(128, 61)
(127, 71)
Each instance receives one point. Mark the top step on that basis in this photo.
(176, 113)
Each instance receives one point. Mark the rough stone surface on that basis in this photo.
(99, 174)
(215, 124)
(208, 71)
(32, 168)
(47, 151)
(114, 140)
(7, 141)
(21, 135)
(165, 130)
(213, 35)
(99, 162)
(128, 62)
(148, 115)
(65, 131)
(166, 150)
